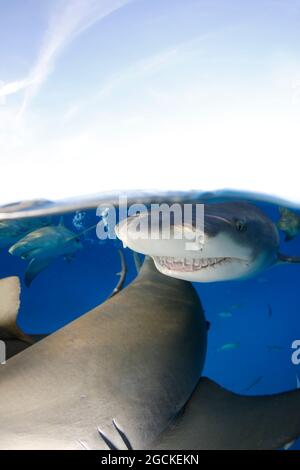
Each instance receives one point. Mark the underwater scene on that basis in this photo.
(149, 228)
(65, 269)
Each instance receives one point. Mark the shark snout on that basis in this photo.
(215, 251)
(208, 241)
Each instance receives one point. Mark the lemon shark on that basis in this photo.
(40, 247)
(128, 374)
(238, 241)
(12, 230)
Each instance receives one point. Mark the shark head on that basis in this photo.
(41, 246)
(46, 242)
(238, 241)
(13, 230)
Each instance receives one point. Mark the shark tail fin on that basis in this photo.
(9, 308)
(282, 258)
(215, 418)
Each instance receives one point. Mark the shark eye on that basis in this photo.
(240, 225)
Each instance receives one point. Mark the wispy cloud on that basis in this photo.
(178, 53)
(138, 72)
(71, 18)
(141, 68)
(13, 87)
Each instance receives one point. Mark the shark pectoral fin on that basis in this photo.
(215, 418)
(9, 303)
(35, 266)
(282, 258)
(122, 275)
(9, 308)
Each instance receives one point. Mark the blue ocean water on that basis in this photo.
(259, 316)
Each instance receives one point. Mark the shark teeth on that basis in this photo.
(192, 264)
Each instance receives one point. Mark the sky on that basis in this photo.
(100, 95)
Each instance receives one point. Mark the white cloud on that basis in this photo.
(13, 87)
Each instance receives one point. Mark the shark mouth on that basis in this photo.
(194, 264)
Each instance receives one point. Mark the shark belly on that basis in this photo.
(134, 360)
